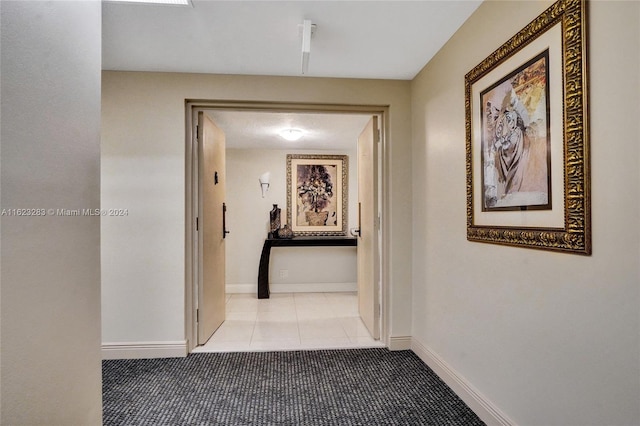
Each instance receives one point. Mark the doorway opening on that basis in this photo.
(223, 110)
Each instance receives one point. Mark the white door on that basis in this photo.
(211, 228)
(368, 271)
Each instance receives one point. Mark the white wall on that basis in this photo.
(248, 220)
(143, 169)
(50, 85)
(548, 338)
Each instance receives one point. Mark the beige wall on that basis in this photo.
(248, 221)
(50, 351)
(143, 168)
(549, 339)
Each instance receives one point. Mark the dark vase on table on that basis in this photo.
(274, 221)
(285, 232)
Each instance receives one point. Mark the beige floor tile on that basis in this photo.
(314, 314)
(277, 316)
(275, 330)
(241, 316)
(216, 346)
(354, 327)
(275, 345)
(242, 304)
(234, 331)
(329, 343)
(366, 342)
(290, 321)
(321, 329)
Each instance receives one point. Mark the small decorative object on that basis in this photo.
(285, 232)
(317, 194)
(274, 221)
(527, 137)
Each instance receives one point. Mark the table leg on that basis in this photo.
(263, 272)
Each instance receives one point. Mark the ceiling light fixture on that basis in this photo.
(308, 29)
(163, 2)
(291, 134)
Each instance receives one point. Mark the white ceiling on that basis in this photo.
(358, 39)
(355, 39)
(259, 130)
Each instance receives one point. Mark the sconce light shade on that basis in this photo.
(264, 182)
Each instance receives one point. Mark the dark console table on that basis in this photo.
(263, 270)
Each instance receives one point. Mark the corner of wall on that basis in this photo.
(480, 405)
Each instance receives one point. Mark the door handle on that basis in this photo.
(224, 221)
(356, 232)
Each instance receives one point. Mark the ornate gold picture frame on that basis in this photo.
(527, 145)
(317, 194)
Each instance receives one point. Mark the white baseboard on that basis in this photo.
(401, 343)
(135, 350)
(314, 288)
(295, 288)
(485, 409)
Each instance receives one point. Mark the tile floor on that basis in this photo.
(290, 321)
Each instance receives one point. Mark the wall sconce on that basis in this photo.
(264, 182)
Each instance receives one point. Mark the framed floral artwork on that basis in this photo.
(317, 191)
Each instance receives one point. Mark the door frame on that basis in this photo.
(192, 107)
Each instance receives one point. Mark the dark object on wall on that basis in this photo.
(274, 221)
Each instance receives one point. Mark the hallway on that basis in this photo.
(290, 321)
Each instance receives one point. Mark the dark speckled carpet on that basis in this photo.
(327, 387)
